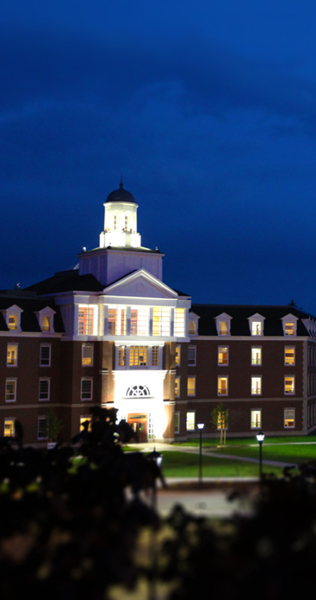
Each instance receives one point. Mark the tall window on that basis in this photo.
(179, 322)
(191, 386)
(44, 389)
(116, 320)
(42, 426)
(86, 388)
(87, 355)
(10, 390)
(223, 355)
(256, 356)
(112, 321)
(46, 323)
(9, 429)
(12, 355)
(138, 356)
(139, 321)
(155, 356)
(256, 386)
(289, 385)
(87, 320)
(161, 321)
(122, 356)
(177, 422)
(222, 386)
(289, 417)
(256, 419)
(45, 355)
(115, 222)
(289, 355)
(190, 421)
(192, 356)
(192, 327)
(177, 387)
(177, 357)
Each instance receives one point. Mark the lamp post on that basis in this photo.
(155, 457)
(200, 427)
(260, 438)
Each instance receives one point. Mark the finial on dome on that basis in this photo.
(121, 184)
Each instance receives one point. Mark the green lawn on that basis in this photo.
(183, 464)
(290, 449)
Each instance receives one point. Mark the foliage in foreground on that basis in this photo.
(67, 531)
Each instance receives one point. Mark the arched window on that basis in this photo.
(115, 221)
(127, 221)
(137, 391)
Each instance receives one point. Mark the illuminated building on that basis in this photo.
(111, 333)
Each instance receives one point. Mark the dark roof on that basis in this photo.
(67, 281)
(29, 306)
(121, 195)
(240, 315)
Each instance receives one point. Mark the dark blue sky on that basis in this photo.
(207, 109)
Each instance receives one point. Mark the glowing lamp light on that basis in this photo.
(201, 426)
(260, 437)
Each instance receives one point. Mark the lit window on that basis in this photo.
(86, 389)
(45, 355)
(44, 388)
(256, 328)
(161, 321)
(289, 329)
(222, 328)
(256, 356)
(289, 356)
(87, 320)
(192, 356)
(87, 355)
(85, 420)
(289, 417)
(46, 323)
(192, 327)
(222, 386)
(12, 355)
(222, 355)
(122, 356)
(155, 356)
(115, 221)
(179, 322)
(42, 427)
(256, 419)
(138, 356)
(256, 386)
(13, 322)
(177, 387)
(126, 221)
(139, 321)
(177, 358)
(289, 385)
(191, 386)
(190, 421)
(112, 321)
(10, 390)
(177, 422)
(9, 428)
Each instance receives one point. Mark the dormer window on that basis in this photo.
(256, 324)
(223, 324)
(193, 323)
(289, 325)
(46, 319)
(12, 317)
(13, 322)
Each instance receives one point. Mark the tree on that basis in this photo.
(54, 426)
(219, 419)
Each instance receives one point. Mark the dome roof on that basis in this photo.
(121, 195)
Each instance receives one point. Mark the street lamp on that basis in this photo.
(200, 427)
(260, 438)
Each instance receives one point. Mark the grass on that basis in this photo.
(246, 441)
(183, 464)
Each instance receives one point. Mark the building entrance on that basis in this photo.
(139, 423)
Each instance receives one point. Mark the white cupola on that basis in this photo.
(120, 220)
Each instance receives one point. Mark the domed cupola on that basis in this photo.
(120, 220)
(121, 195)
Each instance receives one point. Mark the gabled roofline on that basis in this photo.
(134, 275)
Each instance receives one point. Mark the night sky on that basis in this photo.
(208, 111)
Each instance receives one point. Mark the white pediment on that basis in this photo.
(140, 284)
